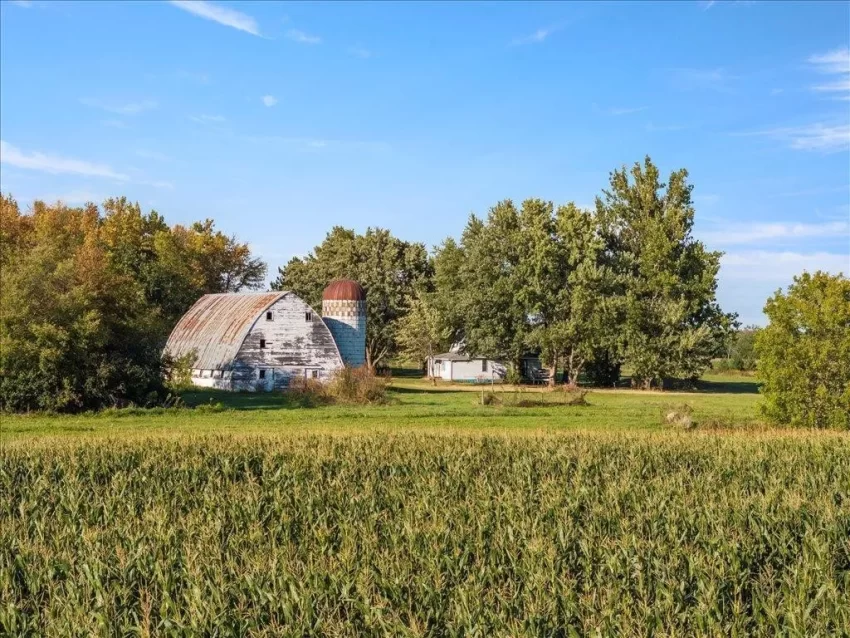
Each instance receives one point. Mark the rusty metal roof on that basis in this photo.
(344, 290)
(216, 326)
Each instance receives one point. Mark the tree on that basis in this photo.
(389, 269)
(804, 353)
(89, 299)
(421, 333)
(669, 316)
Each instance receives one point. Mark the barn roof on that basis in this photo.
(216, 326)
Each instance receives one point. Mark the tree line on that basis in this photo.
(586, 290)
(88, 298)
(90, 295)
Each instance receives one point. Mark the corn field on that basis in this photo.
(418, 534)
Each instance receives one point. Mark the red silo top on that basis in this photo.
(344, 290)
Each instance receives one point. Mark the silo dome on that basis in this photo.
(344, 312)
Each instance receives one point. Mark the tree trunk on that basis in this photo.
(553, 370)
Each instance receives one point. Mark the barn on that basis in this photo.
(262, 341)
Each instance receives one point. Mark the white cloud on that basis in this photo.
(835, 63)
(55, 164)
(736, 234)
(653, 128)
(707, 4)
(538, 36)
(779, 267)
(820, 136)
(360, 52)
(207, 119)
(133, 108)
(303, 38)
(222, 15)
(269, 100)
(157, 184)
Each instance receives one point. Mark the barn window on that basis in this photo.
(262, 374)
(269, 316)
(262, 344)
(308, 316)
(483, 365)
(315, 374)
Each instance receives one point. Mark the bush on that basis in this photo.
(308, 393)
(804, 353)
(359, 386)
(680, 416)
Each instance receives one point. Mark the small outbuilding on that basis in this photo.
(454, 366)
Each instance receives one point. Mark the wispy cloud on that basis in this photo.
(707, 4)
(819, 136)
(779, 267)
(303, 38)
(222, 15)
(114, 123)
(813, 191)
(655, 128)
(157, 184)
(835, 63)
(154, 155)
(690, 79)
(360, 52)
(55, 164)
(736, 234)
(132, 108)
(208, 119)
(197, 78)
(537, 36)
(26, 4)
(269, 100)
(626, 110)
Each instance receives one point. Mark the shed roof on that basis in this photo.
(216, 326)
(456, 356)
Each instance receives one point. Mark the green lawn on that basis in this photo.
(415, 404)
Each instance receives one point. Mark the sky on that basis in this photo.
(281, 120)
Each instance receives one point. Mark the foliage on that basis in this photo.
(380, 534)
(740, 351)
(666, 281)
(421, 333)
(391, 271)
(360, 386)
(804, 353)
(89, 298)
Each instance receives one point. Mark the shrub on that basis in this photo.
(680, 416)
(358, 385)
(804, 353)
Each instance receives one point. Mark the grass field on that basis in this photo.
(429, 516)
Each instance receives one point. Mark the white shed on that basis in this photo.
(454, 366)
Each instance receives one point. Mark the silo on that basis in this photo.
(344, 312)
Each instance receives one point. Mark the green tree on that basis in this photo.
(89, 299)
(389, 269)
(421, 333)
(671, 323)
(804, 353)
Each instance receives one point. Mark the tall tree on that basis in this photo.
(389, 269)
(422, 333)
(671, 322)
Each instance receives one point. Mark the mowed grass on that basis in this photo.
(431, 516)
(415, 405)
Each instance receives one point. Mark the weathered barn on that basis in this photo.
(257, 341)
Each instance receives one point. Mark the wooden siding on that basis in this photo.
(294, 347)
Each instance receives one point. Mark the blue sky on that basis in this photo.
(281, 120)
